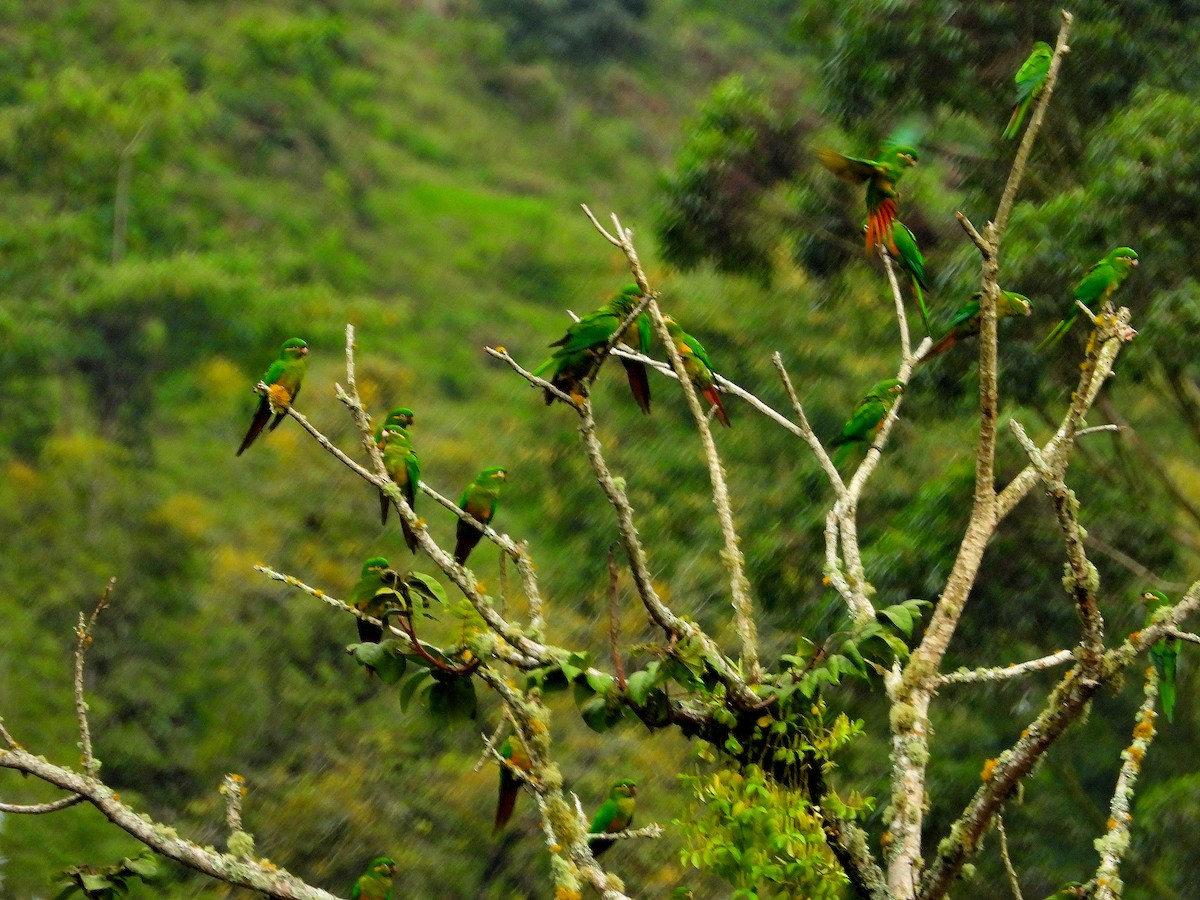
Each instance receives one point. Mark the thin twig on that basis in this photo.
(1002, 673)
(806, 432)
(37, 809)
(83, 639)
(614, 634)
(1009, 869)
(233, 787)
(1084, 577)
(898, 296)
(489, 746)
(1185, 636)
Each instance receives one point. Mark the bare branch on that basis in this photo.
(257, 875)
(502, 354)
(1084, 578)
(37, 809)
(233, 788)
(898, 296)
(614, 634)
(1009, 869)
(1003, 673)
(1185, 636)
(806, 432)
(83, 639)
(985, 249)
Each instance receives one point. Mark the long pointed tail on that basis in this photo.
(1014, 122)
(639, 383)
(466, 537)
(384, 503)
(509, 788)
(261, 415)
(940, 347)
(919, 296)
(714, 398)
(1056, 333)
(410, 536)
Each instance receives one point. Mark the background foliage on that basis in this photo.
(415, 168)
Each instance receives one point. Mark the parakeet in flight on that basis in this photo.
(903, 247)
(373, 593)
(376, 882)
(615, 814)
(698, 367)
(881, 177)
(966, 322)
(868, 415)
(284, 378)
(1030, 79)
(479, 499)
(581, 345)
(402, 465)
(1165, 654)
(1097, 286)
(510, 785)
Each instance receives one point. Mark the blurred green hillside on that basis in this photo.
(186, 184)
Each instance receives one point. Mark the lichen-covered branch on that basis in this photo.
(1115, 842)
(257, 875)
(1083, 580)
(83, 639)
(1003, 673)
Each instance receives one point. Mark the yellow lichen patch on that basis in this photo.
(565, 893)
(1110, 824)
(1136, 755)
(1143, 730)
(826, 581)
(989, 767)
(501, 350)
(1024, 733)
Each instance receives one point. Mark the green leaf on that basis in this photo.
(92, 882)
(453, 698)
(382, 657)
(600, 683)
(144, 866)
(427, 586)
(410, 687)
(598, 713)
(899, 616)
(639, 683)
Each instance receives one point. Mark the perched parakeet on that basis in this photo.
(1030, 79)
(581, 345)
(376, 882)
(966, 322)
(510, 784)
(698, 367)
(284, 379)
(402, 465)
(903, 246)
(1165, 654)
(881, 177)
(1100, 282)
(868, 415)
(479, 499)
(615, 814)
(374, 592)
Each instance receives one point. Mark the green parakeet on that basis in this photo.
(966, 322)
(510, 784)
(615, 814)
(1165, 654)
(881, 177)
(903, 247)
(479, 499)
(585, 339)
(376, 882)
(1030, 79)
(1100, 282)
(868, 415)
(402, 465)
(698, 366)
(373, 593)
(284, 378)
